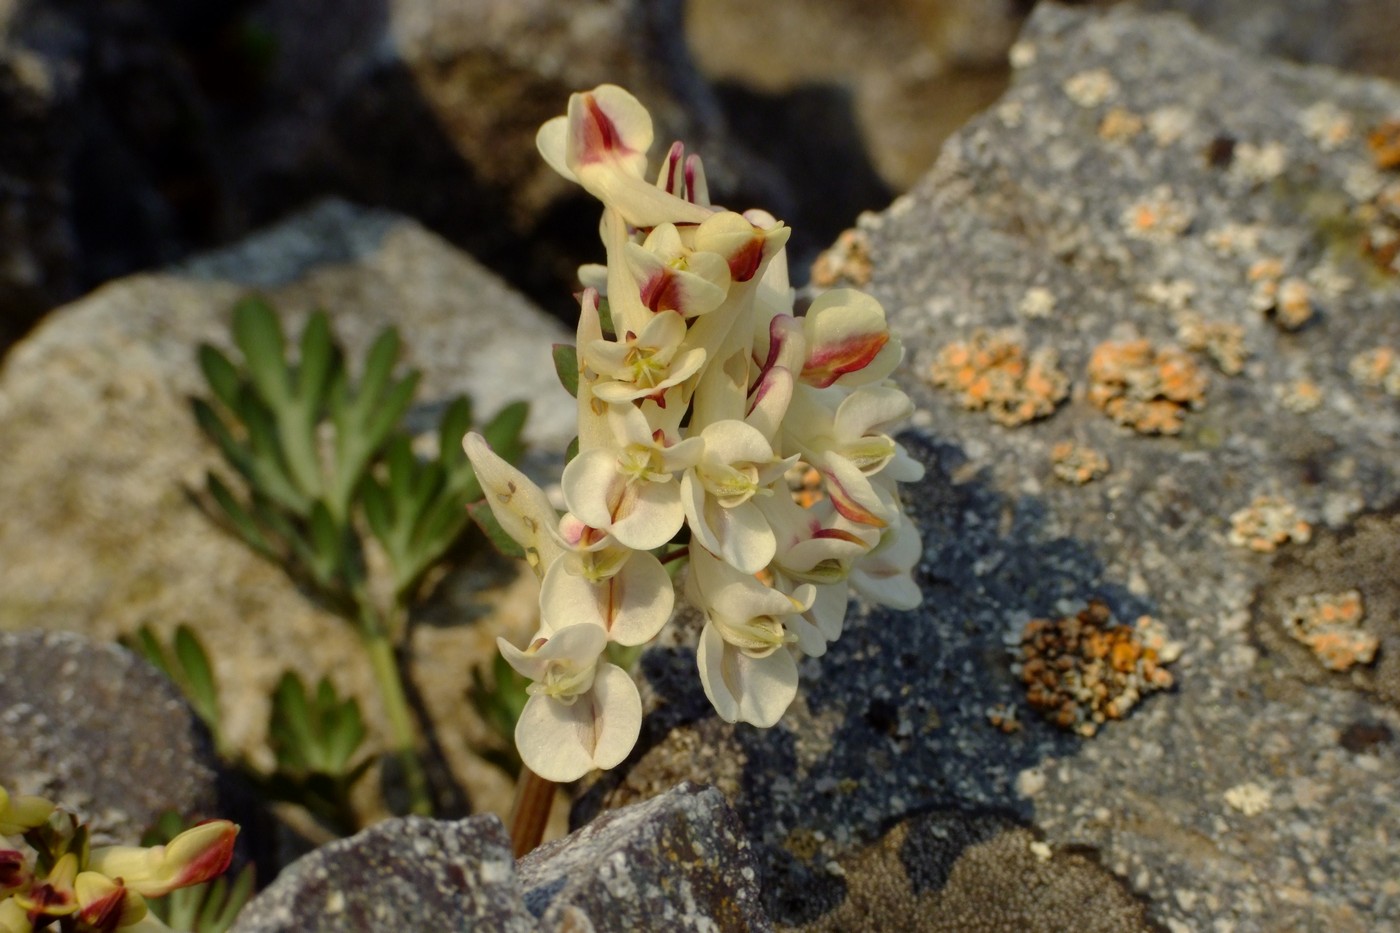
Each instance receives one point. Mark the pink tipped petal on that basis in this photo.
(770, 402)
(697, 189)
(855, 498)
(846, 332)
(608, 125)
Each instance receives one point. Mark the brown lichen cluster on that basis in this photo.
(1085, 669)
(1285, 300)
(1380, 213)
(992, 372)
(847, 260)
(1221, 341)
(1384, 141)
(1076, 463)
(1004, 718)
(1266, 524)
(1330, 625)
(1147, 388)
(1378, 368)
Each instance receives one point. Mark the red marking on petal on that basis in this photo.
(212, 861)
(662, 292)
(744, 262)
(598, 134)
(673, 160)
(105, 913)
(827, 364)
(849, 508)
(838, 534)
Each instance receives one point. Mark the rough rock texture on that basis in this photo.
(101, 732)
(100, 534)
(676, 862)
(1135, 173)
(404, 874)
(956, 872)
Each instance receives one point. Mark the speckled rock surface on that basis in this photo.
(676, 862)
(1127, 187)
(403, 874)
(101, 732)
(101, 536)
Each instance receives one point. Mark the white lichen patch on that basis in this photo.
(1120, 125)
(1259, 164)
(1037, 302)
(1327, 125)
(1249, 798)
(1266, 524)
(1329, 624)
(1175, 294)
(1160, 217)
(1091, 88)
(1168, 124)
(1287, 301)
(1041, 851)
(1022, 54)
(1235, 240)
(1222, 341)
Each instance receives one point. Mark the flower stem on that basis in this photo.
(391, 692)
(534, 796)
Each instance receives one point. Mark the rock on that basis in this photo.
(1139, 181)
(100, 452)
(678, 861)
(101, 732)
(403, 874)
(956, 872)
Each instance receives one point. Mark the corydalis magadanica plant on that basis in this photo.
(699, 391)
(57, 880)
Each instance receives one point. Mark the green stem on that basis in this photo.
(387, 677)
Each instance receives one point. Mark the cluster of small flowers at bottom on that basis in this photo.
(55, 876)
(698, 390)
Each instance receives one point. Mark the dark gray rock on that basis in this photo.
(678, 861)
(99, 731)
(411, 873)
(1136, 172)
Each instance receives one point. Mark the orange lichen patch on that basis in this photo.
(1120, 125)
(1300, 396)
(1330, 625)
(1266, 524)
(1286, 301)
(805, 484)
(1378, 368)
(847, 260)
(1382, 246)
(1085, 669)
(1384, 141)
(1222, 342)
(1075, 463)
(1148, 389)
(993, 372)
(1159, 217)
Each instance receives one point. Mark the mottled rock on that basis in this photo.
(678, 861)
(403, 874)
(1135, 171)
(99, 731)
(101, 535)
(964, 872)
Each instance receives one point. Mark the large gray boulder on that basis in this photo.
(1139, 182)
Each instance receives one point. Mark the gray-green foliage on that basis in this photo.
(317, 452)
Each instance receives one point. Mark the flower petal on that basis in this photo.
(846, 334)
(518, 504)
(562, 742)
(744, 689)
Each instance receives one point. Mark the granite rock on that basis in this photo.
(102, 733)
(678, 861)
(1138, 182)
(411, 873)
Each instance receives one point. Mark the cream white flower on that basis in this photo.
(847, 341)
(520, 506)
(748, 673)
(630, 489)
(671, 277)
(626, 592)
(642, 365)
(583, 713)
(717, 494)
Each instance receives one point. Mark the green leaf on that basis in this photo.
(379, 363)
(374, 499)
(220, 373)
(605, 319)
(327, 540)
(456, 422)
(566, 367)
(502, 432)
(201, 688)
(239, 519)
(318, 358)
(214, 428)
(486, 520)
(258, 333)
(571, 451)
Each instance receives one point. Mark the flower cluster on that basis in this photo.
(699, 392)
(57, 877)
